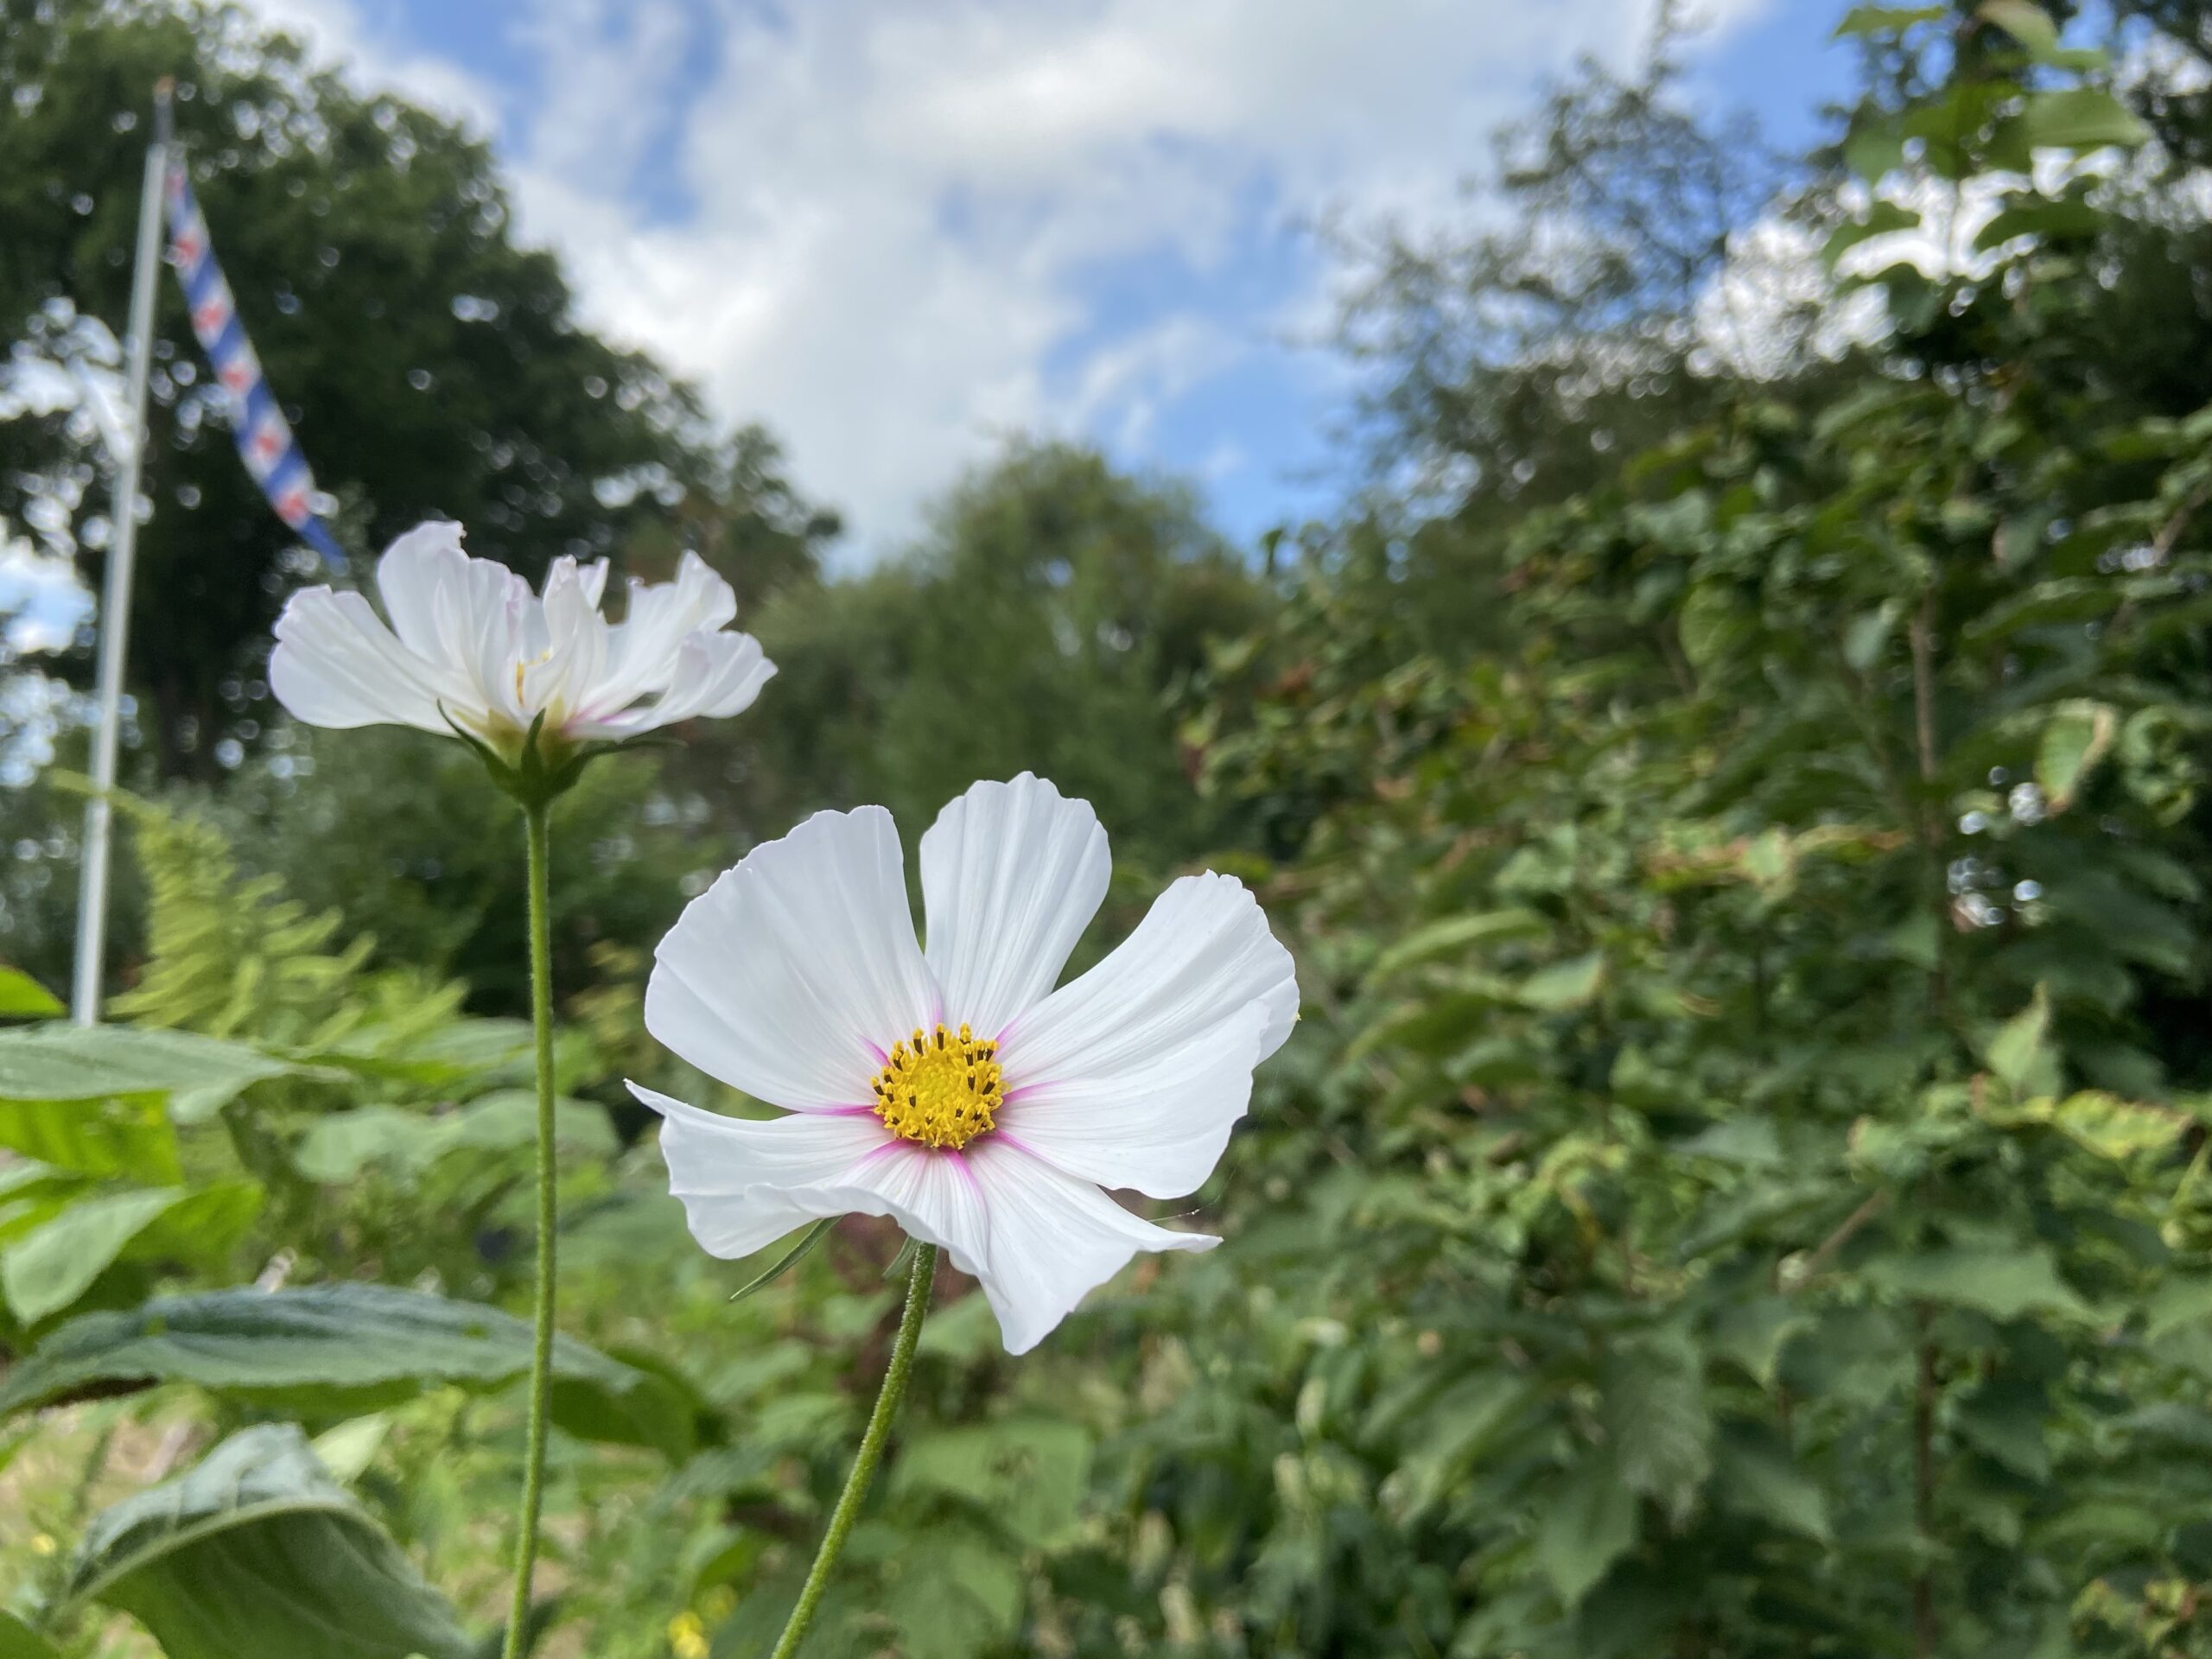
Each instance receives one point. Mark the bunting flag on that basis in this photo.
(264, 439)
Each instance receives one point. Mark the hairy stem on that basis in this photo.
(541, 1362)
(870, 1452)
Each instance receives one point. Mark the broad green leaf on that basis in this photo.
(2107, 1125)
(2182, 1300)
(22, 997)
(1864, 639)
(1028, 1475)
(1453, 934)
(338, 1350)
(2021, 1051)
(128, 1135)
(1711, 622)
(258, 1551)
(2040, 218)
(1754, 1474)
(2006, 1419)
(2079, 117)
(1882, 219)
(2026, 23)
(52, 1266)
(1887, 19)
(2002, 1283)
(1452, 1434)
(1565, 985)
(46, 1270)
(19, 1640)
(1587, 1523)
(1753, 1331)
(2079, 735)
(347, 1449)
(970, 1601)
(66, 1062)
(1874, 147)
(1656, 1418)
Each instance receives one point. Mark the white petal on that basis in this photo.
(1156, 1126)
(934, 1196)
(1132, 1074)
(793, 974)
(642, 648)
(714, 674)
(573, 657)
(1053, 1239)
(729, 1173)
(336, 665)
(462, 617)
(1011, 876)
(411, 575)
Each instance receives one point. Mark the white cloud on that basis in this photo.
(374, 50)
(900, 215)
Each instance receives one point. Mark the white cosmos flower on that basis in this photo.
(469, 645)
(954, 1090)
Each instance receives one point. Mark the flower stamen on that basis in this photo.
(939, 1089)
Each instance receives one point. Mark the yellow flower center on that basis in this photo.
(939, 1089)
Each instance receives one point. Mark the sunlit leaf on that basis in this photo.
(22, 997)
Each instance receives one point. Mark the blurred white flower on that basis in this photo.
(470, 645)
(955, 1090)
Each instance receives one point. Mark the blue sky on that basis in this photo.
(900, 235)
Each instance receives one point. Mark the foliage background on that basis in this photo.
(1738, 1186)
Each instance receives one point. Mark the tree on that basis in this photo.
(431, 366)
(1040, 624)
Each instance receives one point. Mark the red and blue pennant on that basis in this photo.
(264, 438)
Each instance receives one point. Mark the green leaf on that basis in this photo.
(1656, 1418)
(1027, 1475)
(790, 1259)
(1755, 1475)
(2021, 1051)
(2079, 735)
(2003, 1283)
(19, 1640)
(1868, 633)
(22, 997)
(348, 1448)
(65, 1062)
(51, 1266)
(1587, 1523)
(1455, 933)
(258, 1551)
(1565, 985)
(2081, 118)
(340, 1351)
(2028, 24)
(1886, 20)
(1875, 148)
(128, 1135)
(2107, 1125)
(2037, 217)
(968, 1602)
(1882, 219)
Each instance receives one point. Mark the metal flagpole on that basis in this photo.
(115, 592)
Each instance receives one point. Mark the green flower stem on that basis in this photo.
(541, 1362)
(870, 1452)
